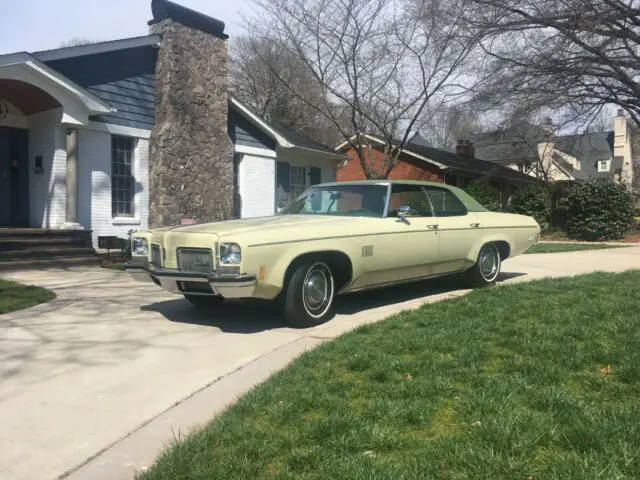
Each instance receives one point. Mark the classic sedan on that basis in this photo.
(334, 239)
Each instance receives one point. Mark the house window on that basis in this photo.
(122, 180)
(457, 180)
(603, 166)
(292, 181)
(299, 181)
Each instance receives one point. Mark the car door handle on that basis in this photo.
(432, 227)
(475, 225)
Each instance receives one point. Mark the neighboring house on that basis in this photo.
(419, 161)
(141, 132)
(538, 152)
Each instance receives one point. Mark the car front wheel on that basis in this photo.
(487, 268)
(204, 301)
(309, 295)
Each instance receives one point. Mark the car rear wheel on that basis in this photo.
(309, 295)
(487, 268)
(204, 301)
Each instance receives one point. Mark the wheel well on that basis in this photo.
(503, 249)
(338, 262)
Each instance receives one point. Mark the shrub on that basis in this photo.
(487, 195)
(599, 210)
(534, 201)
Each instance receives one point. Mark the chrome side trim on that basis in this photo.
(380, 233)
(402, 282)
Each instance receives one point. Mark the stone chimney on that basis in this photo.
(465, 148)
(622, 146)
(191, 155)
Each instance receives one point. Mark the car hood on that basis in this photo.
(261, 224)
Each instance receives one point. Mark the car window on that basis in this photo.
(344, 200)
(445, 203)
(412, 196)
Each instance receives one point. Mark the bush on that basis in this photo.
(599, 210)
(534, 201)
(487, 195)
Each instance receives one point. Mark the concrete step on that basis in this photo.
(49, 263)
(42, 233)
(14, 244)
(52, 253)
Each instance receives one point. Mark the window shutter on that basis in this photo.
(283, 181)
(315, 176)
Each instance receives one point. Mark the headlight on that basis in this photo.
(140, 246)
(230, 254)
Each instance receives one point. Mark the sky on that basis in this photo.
(32, 25)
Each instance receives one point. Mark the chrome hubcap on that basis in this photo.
(317, 290)
(488, 263)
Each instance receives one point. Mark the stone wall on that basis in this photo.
(191, 164)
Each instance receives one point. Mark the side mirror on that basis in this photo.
(404, 211)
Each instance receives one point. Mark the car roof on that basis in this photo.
(387, 182)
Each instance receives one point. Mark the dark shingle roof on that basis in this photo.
(467, 164)
(302, 141)
(589, 148)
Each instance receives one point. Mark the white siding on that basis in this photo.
(94, 192)
(47, 190)
(256, 181)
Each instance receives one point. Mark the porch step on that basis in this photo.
(22, 248)
(15, 243)
(48, 263)
(20, 234)
(52, 253)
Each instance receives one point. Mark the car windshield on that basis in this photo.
(341, 200)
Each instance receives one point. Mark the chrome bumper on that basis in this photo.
(174, 281)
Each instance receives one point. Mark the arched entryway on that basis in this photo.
(21, 105)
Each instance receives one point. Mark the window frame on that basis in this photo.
(420, 187)
(606, 165)
(435, 214)
(132, 142)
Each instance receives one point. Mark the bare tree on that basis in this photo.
(445, 126)
(262, 76)
(76, 41)
(377, 62)
(572, 57)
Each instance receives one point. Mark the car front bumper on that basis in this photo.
(193, 283)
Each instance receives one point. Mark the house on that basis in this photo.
(563, 159)
(141, 132)
(419, 161)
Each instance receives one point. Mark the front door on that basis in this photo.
(14, 178)
(408, 243)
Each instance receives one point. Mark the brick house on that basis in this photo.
(419, 161)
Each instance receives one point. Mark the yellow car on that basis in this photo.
(335, 238)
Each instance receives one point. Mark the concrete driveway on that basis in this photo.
(108, 369)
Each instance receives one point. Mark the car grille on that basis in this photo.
(195, 260)
(156, 255)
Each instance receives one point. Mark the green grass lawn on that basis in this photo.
(537, 380)
(15, 296)
(543, 247)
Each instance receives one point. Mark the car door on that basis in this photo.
(406, 243)
(458, 230)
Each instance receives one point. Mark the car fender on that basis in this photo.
(483, 240)
(276, 268)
